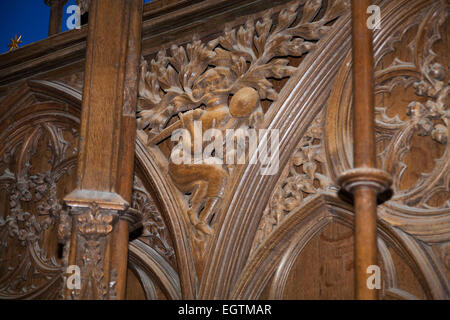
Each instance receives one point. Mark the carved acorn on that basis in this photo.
(244, 102)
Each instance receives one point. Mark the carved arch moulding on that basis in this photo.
(38, 158)
(412, 116)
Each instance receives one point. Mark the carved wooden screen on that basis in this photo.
(227, 231)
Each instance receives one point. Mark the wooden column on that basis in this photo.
(56, 14)
(105, 164)
(364, 181)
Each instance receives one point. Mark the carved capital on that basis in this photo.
(92, 243)
(93, 221)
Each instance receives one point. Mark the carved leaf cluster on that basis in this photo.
(29, 227)
(437, 92)
(155, 232)
(22, 224)
(303, 180)
(94, 222)
(249, 56)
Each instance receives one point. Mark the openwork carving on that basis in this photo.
(221, 84)
(37, 164)
(427, 115)
(28, 224)
(155, 232)
(412, 89)
(305, 175)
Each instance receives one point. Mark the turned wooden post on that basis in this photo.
(56, 14)
(364, 181)
(99, 241)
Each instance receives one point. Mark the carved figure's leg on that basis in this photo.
(216, 184)
(197, 199)
(206, 214)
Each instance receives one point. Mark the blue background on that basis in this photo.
(29, 18)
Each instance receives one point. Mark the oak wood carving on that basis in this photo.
(286, 236)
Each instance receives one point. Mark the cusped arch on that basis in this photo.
(33, 112)
(273, 260)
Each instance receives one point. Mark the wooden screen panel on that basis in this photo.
(38, 159)
(39, 124)
(324, 270)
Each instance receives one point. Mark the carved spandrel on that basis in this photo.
(154, 229)
(411, 88)
(418, 75)
(201, 81)
(305, 176)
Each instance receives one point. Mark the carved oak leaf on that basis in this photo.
(247, 56)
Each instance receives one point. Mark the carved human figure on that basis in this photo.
(206, 181)
(197, 80)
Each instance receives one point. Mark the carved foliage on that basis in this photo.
(205, 77)
(34, 207)
(93, 227)
(427, 115)
(244, 57)
(411, 87)
(306, 176)
(155, 232)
